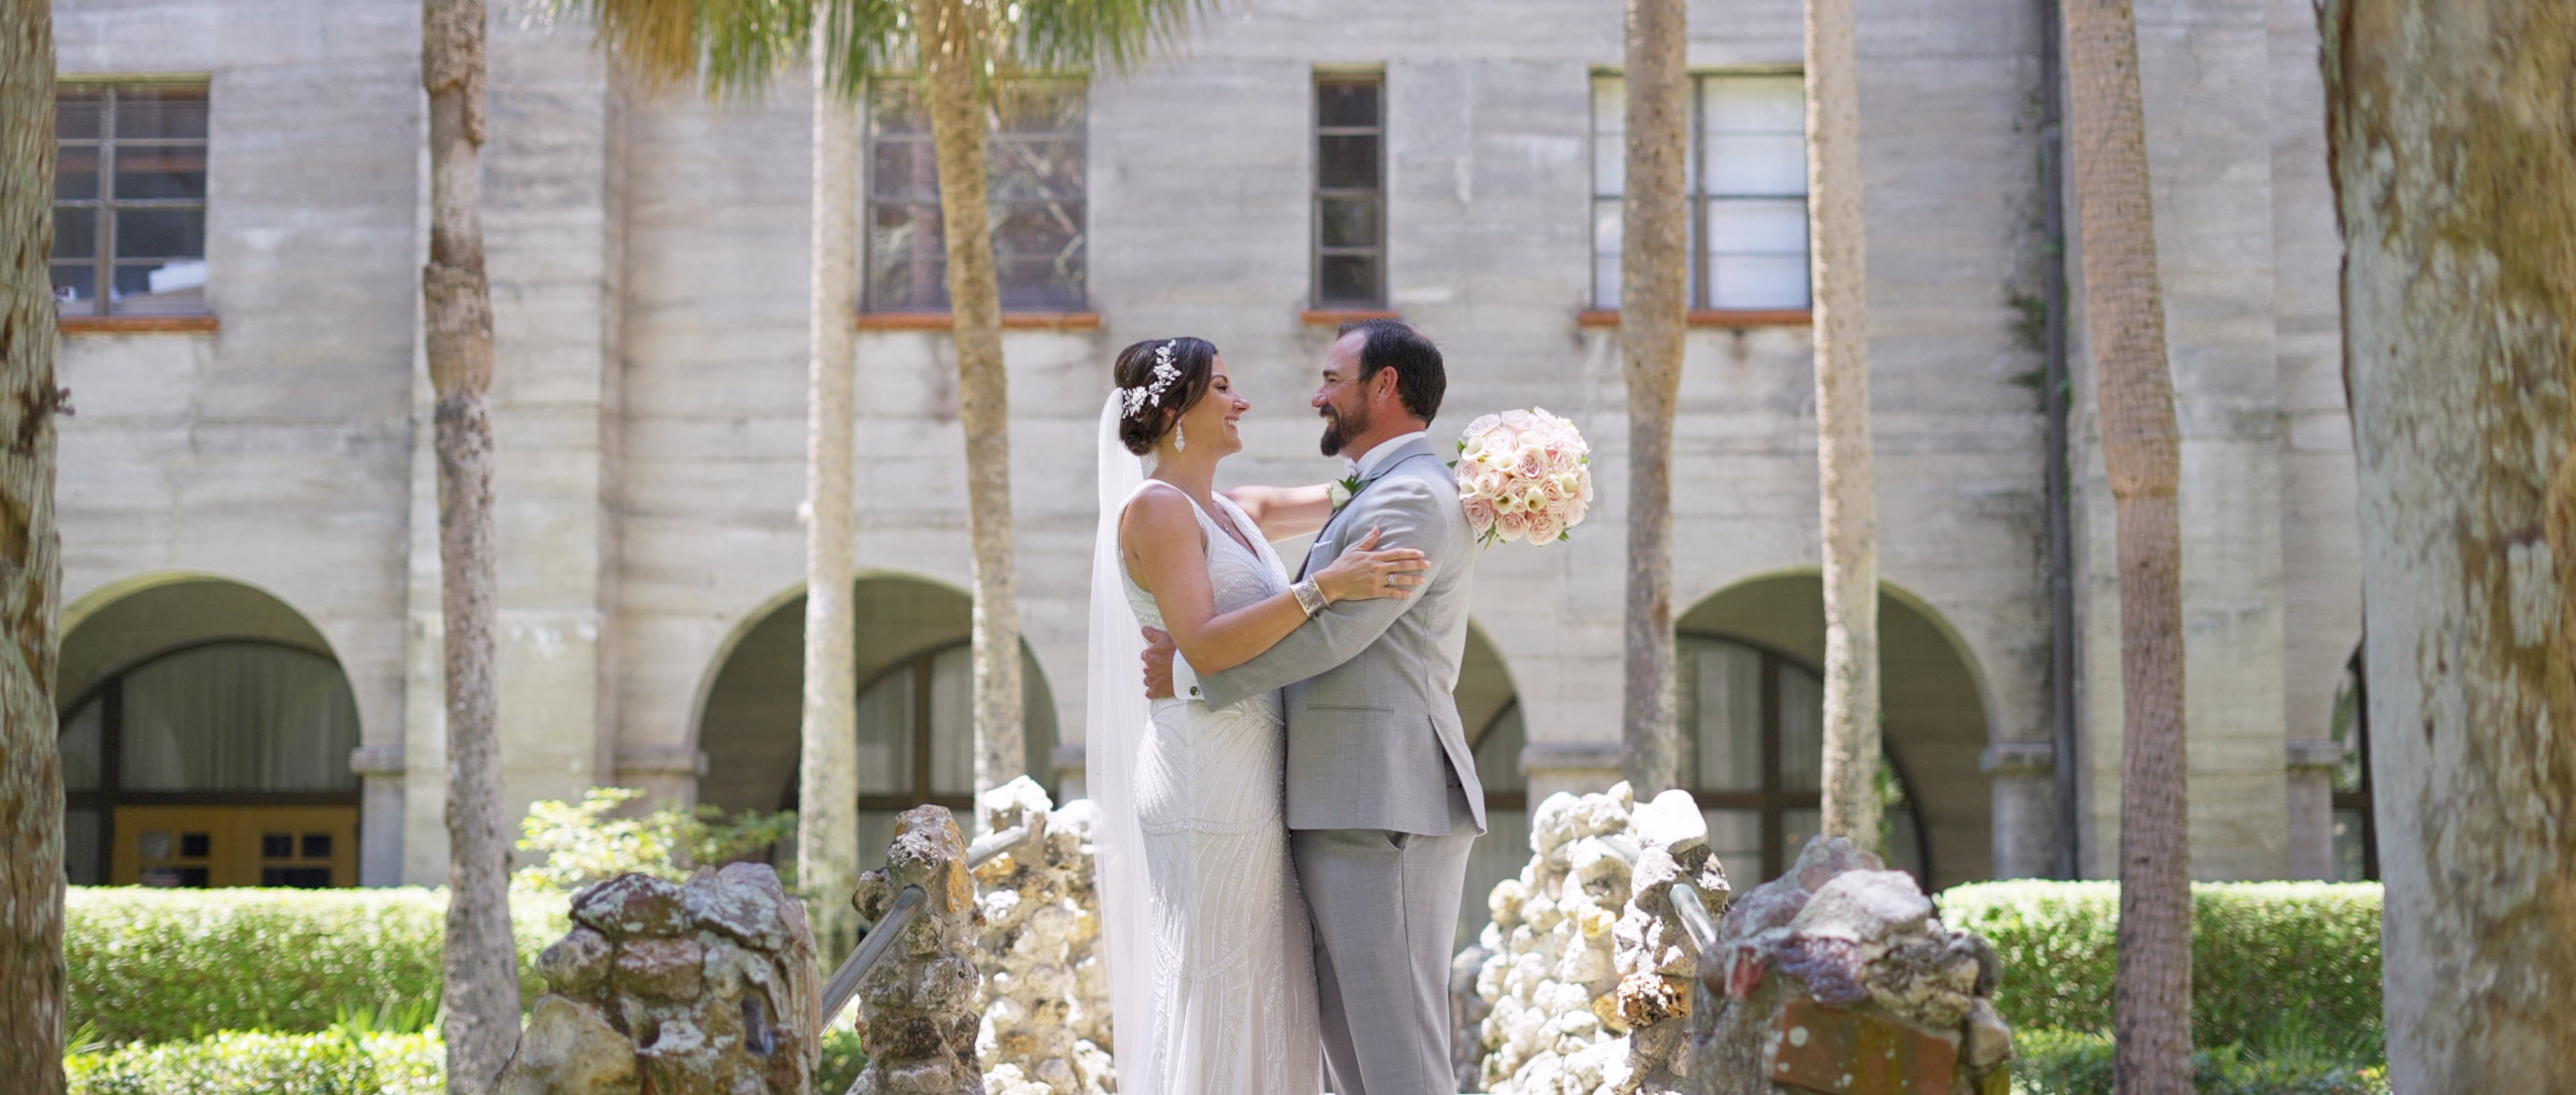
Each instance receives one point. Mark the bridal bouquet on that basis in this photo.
(1523, 475)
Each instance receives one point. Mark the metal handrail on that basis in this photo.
(907, 905)
(1692, 911)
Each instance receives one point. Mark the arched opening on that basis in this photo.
(1752, 698)
(205, 742)
(1490, 708)
(915, 709)
(2356, 830)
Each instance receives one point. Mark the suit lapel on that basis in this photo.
(1324, 546)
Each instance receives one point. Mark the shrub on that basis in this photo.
(575, 845)
(245, 1063)
(2061, 1062)
(2274, 964)
(337, 1062)
(167, 965)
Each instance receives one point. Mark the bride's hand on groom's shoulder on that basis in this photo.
(1367, 572)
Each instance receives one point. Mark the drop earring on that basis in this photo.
(1180, 438)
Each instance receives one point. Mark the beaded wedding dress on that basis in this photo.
(1234, 977)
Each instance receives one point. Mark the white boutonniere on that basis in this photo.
(1340, 492)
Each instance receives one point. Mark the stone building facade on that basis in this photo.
(254, 467)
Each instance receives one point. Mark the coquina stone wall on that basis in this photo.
(1045, 999)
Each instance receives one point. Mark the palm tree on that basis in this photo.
(2141, 446)
(2453, 151)
(1844, 468)
(482, 994)
(1654, 310)
(31, 778)
(958, 47)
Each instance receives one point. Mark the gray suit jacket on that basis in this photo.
(1373, 731)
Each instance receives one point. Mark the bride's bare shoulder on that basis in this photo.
(1158, 513)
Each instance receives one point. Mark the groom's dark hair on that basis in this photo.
(1420, 380)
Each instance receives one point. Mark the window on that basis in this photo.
(217, 764)
(917, 740)
(1350, 190)
(2356, 832)
(1034, 158)
(1747, 186)
(130, 199)
(1753, 755)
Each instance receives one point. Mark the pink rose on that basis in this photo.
(1532, 462)
(1480, 514)
(1553, 488)
(1574, 511)
(1512, 523)
(1544, 528)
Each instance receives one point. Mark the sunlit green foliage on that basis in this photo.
(571, 845)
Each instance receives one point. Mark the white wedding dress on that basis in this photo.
(1233, 981)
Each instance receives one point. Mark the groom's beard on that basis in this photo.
(1337, 433)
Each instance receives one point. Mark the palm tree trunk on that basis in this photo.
(2124, 309)
(1844, 469)
(950, 64)
(482, 994)
(827, 834)
(31, 570)
(1654, 307)
(2453, 149)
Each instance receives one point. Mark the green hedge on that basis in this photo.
(246, 1063)
(2271, 961)
(2058, 1062)
(335, 1063)
(167, 965)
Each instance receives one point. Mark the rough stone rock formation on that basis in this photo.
(1657, 963)
(917, 1004)
(705, 989)
(1553, 978)
(1046, 994)
(1837, 977)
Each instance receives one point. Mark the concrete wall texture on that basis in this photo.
(648, 257)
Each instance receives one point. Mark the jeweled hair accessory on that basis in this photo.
(1151, 392)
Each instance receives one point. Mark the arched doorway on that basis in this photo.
(2356, 828)
(205, 741)
(1490, 708)
(915, 704)
(1752, 698)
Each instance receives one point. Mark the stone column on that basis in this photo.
(2025, 803)
(2313, 766)
(917, 1005)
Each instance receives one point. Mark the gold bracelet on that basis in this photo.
(1309, 596)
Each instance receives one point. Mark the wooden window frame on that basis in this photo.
(1317, 252)
(1770, 800)
(110, 794)
(923, 731)
(101, 315)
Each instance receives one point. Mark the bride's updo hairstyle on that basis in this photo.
(1161, 379)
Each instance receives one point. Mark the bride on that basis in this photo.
(1211, 972)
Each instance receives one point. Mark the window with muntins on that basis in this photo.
(1752, 723)
(1034, 161)
(130, 199)
(1747, 184)
(1350, 190)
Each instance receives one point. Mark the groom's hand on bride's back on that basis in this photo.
(1158, 665)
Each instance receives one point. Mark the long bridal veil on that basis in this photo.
(1113, 729)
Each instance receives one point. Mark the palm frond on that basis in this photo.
(1072, 35)
(736, 47)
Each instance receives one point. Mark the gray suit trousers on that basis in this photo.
(1385, 907)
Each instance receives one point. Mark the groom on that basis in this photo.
(1382, 798)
